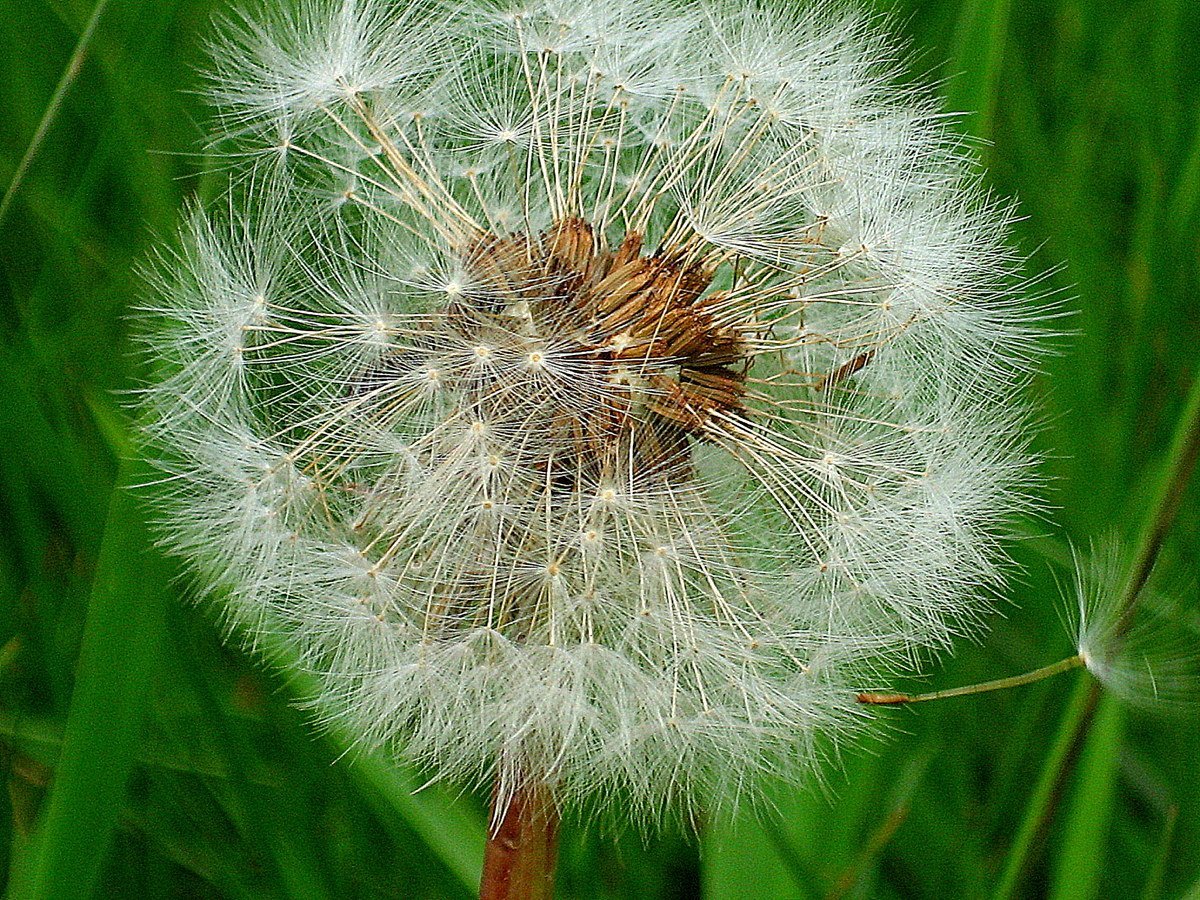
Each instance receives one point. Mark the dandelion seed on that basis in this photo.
(1140, 653)
(651, 388)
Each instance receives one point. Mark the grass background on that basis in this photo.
(143, 759)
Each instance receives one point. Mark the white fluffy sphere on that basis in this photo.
(595, 391)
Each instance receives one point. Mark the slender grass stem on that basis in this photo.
(1185, 449)
(1063, 750)
(74, 64)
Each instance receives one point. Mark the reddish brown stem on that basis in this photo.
(522, 845)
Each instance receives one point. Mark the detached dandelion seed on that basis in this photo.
(1139, 651)
(594, 394)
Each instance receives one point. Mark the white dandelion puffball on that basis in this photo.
(593, 392)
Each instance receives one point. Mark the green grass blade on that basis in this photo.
(1081, 857)
(1041, 800)
(56, 465)
(446, 827)
(980, 37)
(122, 638)
(1186, 198)
(60, 92)
(742, 860)
(1154, 880)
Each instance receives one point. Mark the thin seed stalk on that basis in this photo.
(884, 698)
(522, 844)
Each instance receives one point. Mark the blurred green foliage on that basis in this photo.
(143, 759)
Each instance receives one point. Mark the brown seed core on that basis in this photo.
(644, 319)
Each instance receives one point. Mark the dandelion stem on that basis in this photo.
(522, 845)
(1181, 460)
(881, 698)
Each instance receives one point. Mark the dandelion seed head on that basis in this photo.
(648, 382)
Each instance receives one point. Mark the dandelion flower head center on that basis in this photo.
(610, 353)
